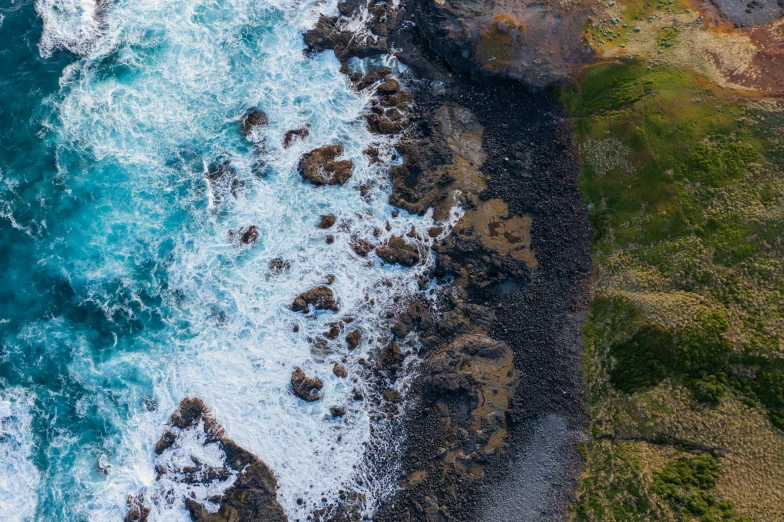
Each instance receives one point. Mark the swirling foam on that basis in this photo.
(19, 478)
(156, 99)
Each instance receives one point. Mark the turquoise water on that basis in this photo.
(122, 291)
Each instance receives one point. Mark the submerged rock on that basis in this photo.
(295, 134)
(320, 167)
(327, 221)
(255, 119)
(304, 387)
(397, 251)
(224, 181)
(252, 495)
(321, 297)
(245, 236)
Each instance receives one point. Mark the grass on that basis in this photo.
(684, 187)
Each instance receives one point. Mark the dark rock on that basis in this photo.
(320, 167)
(327, 35)
(252, 496)
(321, 297)
(390, 86)
(254, 120)
(391, 356)
(337, 411)
(279, 265)
(295, 134)
(361, 247)
(304, 387)
(245, 236)
(353, 338)
(339, 370)
(327, 221)
(224, 181)
(397, 251)
(330, 239)
(166, 441)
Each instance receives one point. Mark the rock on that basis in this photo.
(223, 181)
(337, 411)
(253, 494)
(321, 297)
(255, 119)
(304, 387)
(245, 236)
(327, 35)
(327, 221)
(353, 338)
(278, 266)
(339, 370)
(330, 239)
(397, 251)
(434, 232)
(391, 356)
(361, 247)
(319, 166)
(295, 134)
(166, 441)
(390, 86)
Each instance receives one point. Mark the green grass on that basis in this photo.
(684, 187)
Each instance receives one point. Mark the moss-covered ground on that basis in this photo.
(684, 356)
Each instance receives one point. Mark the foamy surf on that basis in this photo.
(153, 104)
(19, 478)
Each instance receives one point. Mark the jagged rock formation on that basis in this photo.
(251, 497)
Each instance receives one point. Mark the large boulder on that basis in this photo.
(320, 167)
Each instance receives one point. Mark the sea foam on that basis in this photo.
(154, 102)
(19, 478)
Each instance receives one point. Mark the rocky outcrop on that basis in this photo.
(254, 120)
(536, 42)
(320, 167)
(252, 496)
(304, 387)
(245, 236)
(321, 298)
(327, 221)
(397, 251)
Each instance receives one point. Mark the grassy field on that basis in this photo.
(684, 358)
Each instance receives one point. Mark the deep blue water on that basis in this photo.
(121, 287)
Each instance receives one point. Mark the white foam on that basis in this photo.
(19, 478)
(183, 75)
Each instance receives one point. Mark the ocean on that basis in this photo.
(123, 287)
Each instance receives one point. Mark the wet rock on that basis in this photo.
(353, 338)
(252, 496)
(245, 236)
(304, 387)
(397, 251)
(339, 370)
(327, 221)
(337, 411)
(166, 441)
(329, 239)
(254, 120)
(391, 356)
(295, 134)
(278, 266)
(321, 298)
(361, 247)
(320, 167)
(224, 181)
(327, 34)
(390, 86)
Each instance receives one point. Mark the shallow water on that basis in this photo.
(122, 287)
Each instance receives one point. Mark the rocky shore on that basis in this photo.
(502, 350)
(500, 385)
